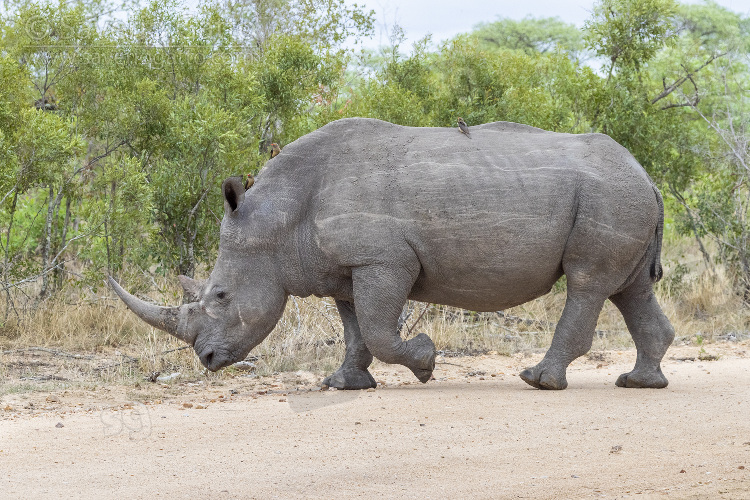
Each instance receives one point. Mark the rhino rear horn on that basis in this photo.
(234, 194)
(192, 287)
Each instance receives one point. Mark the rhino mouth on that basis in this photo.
(215, 359)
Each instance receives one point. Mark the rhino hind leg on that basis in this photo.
(651, 331)
(353, 373)
(573, 337)
(380, 293)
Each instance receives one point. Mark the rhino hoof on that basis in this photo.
(543, 379)
(423, 375)
(424, 353)
(350, 379)
(651, 380)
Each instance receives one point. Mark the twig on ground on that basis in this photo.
(173, 350)
(447, 363)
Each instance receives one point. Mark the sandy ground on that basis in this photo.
(476, 432)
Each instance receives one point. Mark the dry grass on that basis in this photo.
(118, 348)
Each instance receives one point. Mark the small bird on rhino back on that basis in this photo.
(275, 150)
(249, 181)
(463, 127)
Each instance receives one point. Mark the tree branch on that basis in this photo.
(678, 83)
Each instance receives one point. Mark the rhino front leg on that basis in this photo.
(573, 337)
(380, 293)
(353, 373)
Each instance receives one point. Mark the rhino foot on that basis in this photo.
(424, 354)
(350, 379)
(544, 377)
(423, 375)
(642, 379)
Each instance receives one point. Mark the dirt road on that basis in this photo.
(476, 432)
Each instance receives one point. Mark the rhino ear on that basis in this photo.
(234, 194)
(192, 287)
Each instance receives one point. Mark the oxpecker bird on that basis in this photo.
(275, 149)
(249, 181)
(463, 127)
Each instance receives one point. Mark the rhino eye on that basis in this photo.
(221, 295)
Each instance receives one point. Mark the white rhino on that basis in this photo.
(373, 214)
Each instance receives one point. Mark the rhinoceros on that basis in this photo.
(372, 214)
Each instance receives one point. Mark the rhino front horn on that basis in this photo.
(172, 320)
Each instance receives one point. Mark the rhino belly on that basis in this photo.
(502, 267)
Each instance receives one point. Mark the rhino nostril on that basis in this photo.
(207, 357)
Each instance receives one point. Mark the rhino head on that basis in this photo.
(235, 308)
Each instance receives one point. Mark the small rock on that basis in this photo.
(357, 423)
(741, 467)
(8, 408)
(200, 407)
(167, 378)
(53, 399)
(153, 377)
(421, 425)
(616, 449)
(60, 425)
(187, 405)
(682, 471)
(282, 400)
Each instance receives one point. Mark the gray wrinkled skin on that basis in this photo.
(373, 214)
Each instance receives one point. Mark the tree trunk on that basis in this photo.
(47, 264)
(59, 271)
(6, 259)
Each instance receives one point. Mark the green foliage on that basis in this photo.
(322, 24)
(711, 28)
(630, 32)
(463, 79)
(119, 215)
(120, 134)
(531, 36)
(627, 104)
(538, 90)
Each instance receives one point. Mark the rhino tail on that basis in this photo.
(656, 270)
